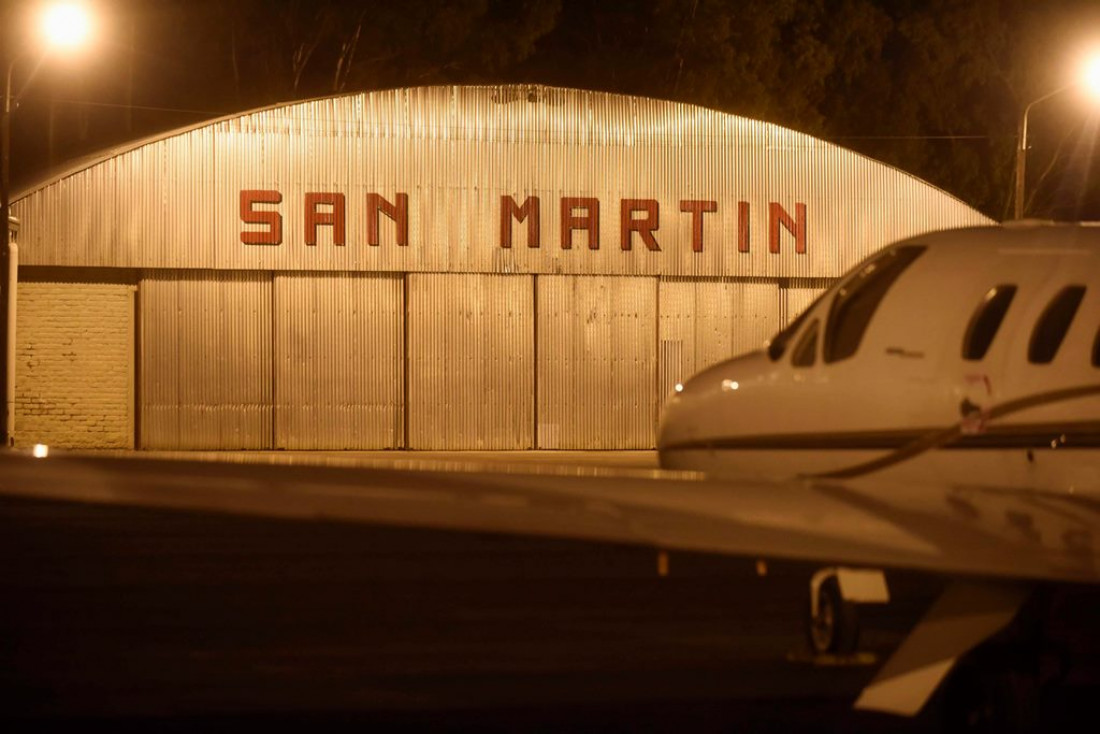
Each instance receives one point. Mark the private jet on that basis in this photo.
(936, 409)
(972, 353)
(954, 365)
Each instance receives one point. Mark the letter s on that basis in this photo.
(272, 220)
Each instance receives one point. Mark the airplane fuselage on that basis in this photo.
(971, 356)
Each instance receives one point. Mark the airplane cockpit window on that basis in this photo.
(778, 344)
(986, 321)
(805, 352)
(1053, 324)
(860, 297)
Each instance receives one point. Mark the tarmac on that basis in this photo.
(180, 620)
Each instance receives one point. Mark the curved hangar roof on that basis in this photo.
(482, 179)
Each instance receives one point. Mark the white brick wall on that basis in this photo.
(74, 375)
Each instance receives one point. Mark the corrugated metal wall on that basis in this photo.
(206, 354)
(597, 349)
(339, 361)
(609, 349)
(471, 361)
(706, 321)
(454, 152)
(468, 343)
(797, 299)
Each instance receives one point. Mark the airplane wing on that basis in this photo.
(975, 532)
(963, 530)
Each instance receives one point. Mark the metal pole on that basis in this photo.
(7, 271)
(1021, 165)
(1021, 150)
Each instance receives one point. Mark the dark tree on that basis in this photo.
(935, 87)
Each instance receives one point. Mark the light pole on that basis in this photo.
(62, 25)
(1090, 81)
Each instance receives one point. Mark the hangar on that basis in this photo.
(431, 268)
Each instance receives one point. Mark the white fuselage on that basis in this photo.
(945, 356)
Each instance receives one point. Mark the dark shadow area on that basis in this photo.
(157, 620)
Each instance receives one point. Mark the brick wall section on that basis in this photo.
(75, 365)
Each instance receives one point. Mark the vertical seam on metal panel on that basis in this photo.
(213, 192)
(274, 353)
(137, 347)
(405, 409)
(535, 360)
(212, 234)
(178, 397)
(784, 306)
(656, 358)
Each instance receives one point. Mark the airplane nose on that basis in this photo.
(672, 429)
(681, 413)
(696, 409)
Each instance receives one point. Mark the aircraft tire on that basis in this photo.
(834, 630)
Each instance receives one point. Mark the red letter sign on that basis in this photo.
(589, 221)
(398, 212)
(273, 235)
(697, 209)
(510, 210)
(742, 226)
(645, 226)
(334, 218)
(777, 215)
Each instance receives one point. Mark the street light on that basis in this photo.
(1090, 82)
(61, 25)
(65, 25)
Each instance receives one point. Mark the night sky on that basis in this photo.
(934, 87)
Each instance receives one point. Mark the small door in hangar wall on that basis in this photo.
(471, 361)
(597, 354)
(706, 321)
(339, 361)
(206, 353)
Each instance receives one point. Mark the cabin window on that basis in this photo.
(1053, 324)
(986, 321)
(859, 298)
(805, 352)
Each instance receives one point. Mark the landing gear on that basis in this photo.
(833, 627)
(833, 624)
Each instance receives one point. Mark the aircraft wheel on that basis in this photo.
(834, 629)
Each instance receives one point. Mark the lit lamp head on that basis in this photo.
(1090, 77)
(65, 25)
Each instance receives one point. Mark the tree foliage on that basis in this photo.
(935, 87)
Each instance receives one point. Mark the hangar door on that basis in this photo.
(74, 372)
(471, 361)
(206, 360)
(339, 361)
(597, 338)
